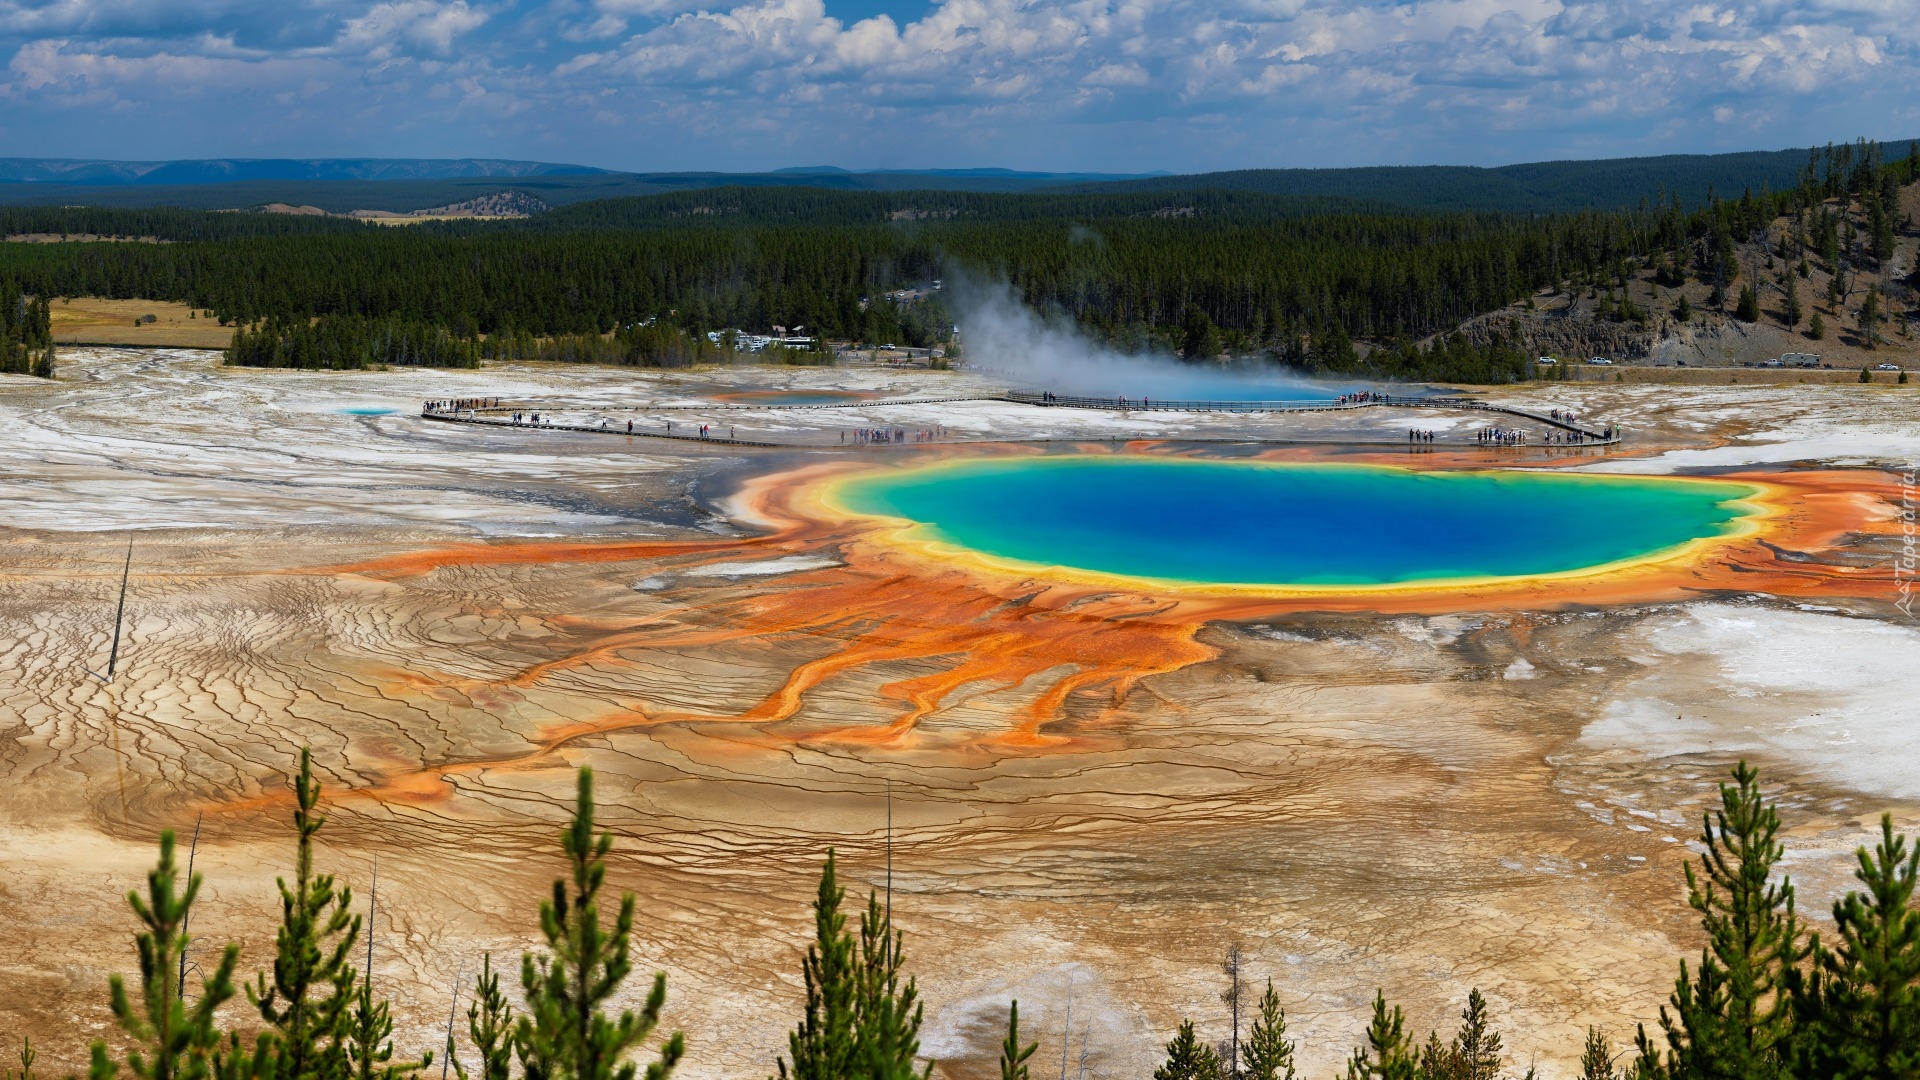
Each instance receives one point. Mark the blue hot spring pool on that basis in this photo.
(1310, 525)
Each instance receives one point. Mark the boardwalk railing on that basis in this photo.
(467, 416)
(1597, 435)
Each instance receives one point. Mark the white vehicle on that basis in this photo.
(1600, 360)
(1887, 367)
(1548, 360)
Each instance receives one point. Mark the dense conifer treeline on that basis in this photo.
(349, 342)
(642, 345)
(26, 333)
(1766, 999)
(1300, 279)
(1127, 277)
(166, 223)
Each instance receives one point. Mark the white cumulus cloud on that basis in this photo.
(1101, 84)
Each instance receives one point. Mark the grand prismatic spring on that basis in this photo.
(1249, 526)
(1130, 686)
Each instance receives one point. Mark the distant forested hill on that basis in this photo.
(1539, 187)
(232, 170)
(400, 186)
(333, 196)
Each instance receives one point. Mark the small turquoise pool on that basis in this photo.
(368, 411)
(1260, 523)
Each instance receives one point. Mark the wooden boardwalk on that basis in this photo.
(500, 416)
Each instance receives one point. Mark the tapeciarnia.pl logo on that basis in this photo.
(1904, 565)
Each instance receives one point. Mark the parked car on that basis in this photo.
(1599, 360)
(1886, 367)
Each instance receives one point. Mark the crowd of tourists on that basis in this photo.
(461, 404)
(1419, 435)
(1514, 437)
(1362, 397)
(890, 436)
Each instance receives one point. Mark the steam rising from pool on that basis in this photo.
(1002, 336)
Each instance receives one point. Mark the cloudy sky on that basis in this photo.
(1097, 85)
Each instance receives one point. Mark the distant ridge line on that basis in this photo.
(110, 173)
(405, 185)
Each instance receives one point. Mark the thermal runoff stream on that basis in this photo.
(1335, 526)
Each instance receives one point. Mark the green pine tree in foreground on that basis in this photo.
(859, 1018)
(313, 982)
(369, 1039)
(1731, 1017)
(888, 1014)
(1268, 1053)
(1013, 1057)
(1388, 1055)
(822, 1046)
(1596, 1058)
(1858, 1004)
(1189, 1059)
(172, 1041)
(1475, 1052)
(26, 1062)
(489, 1025)
(887, 1053)
(566, 1033)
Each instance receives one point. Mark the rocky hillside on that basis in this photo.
(500, 204)
(1642, 314)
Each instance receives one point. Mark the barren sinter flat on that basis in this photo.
(1498, 799)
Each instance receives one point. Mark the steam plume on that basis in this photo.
(1003, 336)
